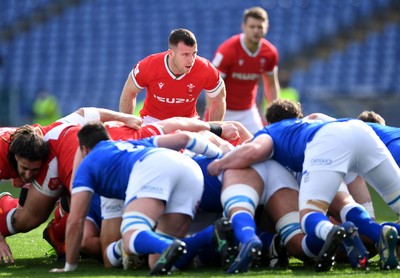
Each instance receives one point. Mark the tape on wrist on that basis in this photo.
(216, 129)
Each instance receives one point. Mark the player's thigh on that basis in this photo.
(174, 224)
(36, 210)
(246, 176)
(282, 202)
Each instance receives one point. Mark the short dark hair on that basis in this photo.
(281, 109)
(255, 12)
(372, 117)
(181, 35)
(27, 142)
(92, 133)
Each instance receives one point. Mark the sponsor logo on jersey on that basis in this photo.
(173, 100)
(245, 76)
(160, 84)
(151, 188)
(321, 161)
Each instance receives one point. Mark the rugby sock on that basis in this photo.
(317, 224)
(3, 225)
(58, 213)
(59, 226)
(243, 226)
(265, 237)
(148, 242)
(195, 243)
(361, 219)
(114, 253)
(395, 225)
(7, 202)
(6, 227)
(311, 246)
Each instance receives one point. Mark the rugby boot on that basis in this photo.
(224, 241)
(387, 248)
(278, 257)
(168, 258)
(247, 254)
(326, 257)
(355, 249)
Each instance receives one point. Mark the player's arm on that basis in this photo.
(5, 252)
(227, 131)
(245, 155)
(217, 106)
(80, 202)
(127, 101)
(191, 141)
(271, 85)
(244, 134)
(87, 114)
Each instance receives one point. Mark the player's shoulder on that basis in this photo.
(267, 45)
(230, 42)
(154, 58)
(204, 64)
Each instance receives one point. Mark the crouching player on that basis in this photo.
(166, 194)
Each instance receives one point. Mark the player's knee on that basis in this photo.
(289, 229)
(133, 223)
(239, 197)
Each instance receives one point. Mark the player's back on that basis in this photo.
(109, 165)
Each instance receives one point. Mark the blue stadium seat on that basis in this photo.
(84, 54)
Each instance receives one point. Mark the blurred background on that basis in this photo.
(343, 56)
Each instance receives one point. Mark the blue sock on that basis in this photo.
(366, 226)
(195, 243)
(266, 237)
(149, 242)
(393, 224)
(313, 244)
(243, 226)
(311, 222)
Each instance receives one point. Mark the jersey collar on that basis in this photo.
(173, 76)
(242, 42)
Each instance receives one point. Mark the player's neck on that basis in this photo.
(171, 66)
(251, 46)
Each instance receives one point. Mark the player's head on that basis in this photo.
(372, 117)
(27, 152)
(281, 109)
(91, 134)
(255, 24)
(182, 50)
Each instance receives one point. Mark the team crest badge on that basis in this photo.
(54, 184)
(190, 87)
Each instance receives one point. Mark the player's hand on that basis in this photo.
(57, 270)
(229, 132)
(67, 268)
(18, 182)
(133, 121)
(5, 252)
(213, 168)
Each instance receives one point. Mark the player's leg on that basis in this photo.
(241, 192)
(35, 211)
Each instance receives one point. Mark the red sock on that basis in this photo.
(58, 226)
(57, 212)
(7, 203)
(3, 225)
